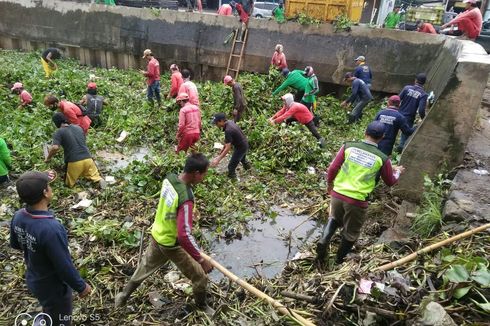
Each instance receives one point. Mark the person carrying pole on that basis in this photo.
(351, 177)
(171, 238)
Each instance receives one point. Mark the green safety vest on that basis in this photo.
(360, 171)
(173, 194)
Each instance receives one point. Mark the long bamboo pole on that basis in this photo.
(276, 304)
(434, 246)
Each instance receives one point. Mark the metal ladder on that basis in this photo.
(231, 69)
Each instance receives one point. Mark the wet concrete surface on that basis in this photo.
(265, 248)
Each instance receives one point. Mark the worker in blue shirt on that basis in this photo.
(360, 97)
(413, 100)
(393, 121)
(50, 274)
(363, 71)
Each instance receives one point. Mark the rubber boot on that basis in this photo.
(201, 303)
(344, 249)
(324, 242)
(321, 142)
(122, 297)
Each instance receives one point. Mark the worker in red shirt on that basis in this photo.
(279, 58)
(189, 87)
(225, 10)
(175, 81)
(294, 111)
(189, 123)
(24, 96)
(152, 75)
(424, 27)
(469, 22)
(72, 112)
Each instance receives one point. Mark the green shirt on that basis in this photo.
(107, 2)
(392, 19)
(295, 79)
(360, 171)
(5, 159)
(311, 89)
(278, 14)
(173, 194)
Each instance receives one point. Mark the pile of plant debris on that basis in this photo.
(104, 237)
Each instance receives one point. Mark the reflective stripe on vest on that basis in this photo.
(360, 171)
(164, 229)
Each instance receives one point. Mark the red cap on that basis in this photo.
(395, 100)
(92, 85)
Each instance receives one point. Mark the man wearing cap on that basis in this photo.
(93, 103)
(24, 96)
(189, 88)
(239, 102)
(50, 273)
(393, 121)
(5, 161)
(48, 58)
(293, 111)
(152, 75)
(393, 18)
(279, 58)
(296, 80)
(175, 81)
(189, 129)
(235, 137)
(360, 97)
(351, 177)
(413, 99)
(70, 110)
(469, 22)
(424, 27)
(311, 89)
(171, 235)
(79, 162)
(363, 71)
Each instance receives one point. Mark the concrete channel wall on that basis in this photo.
(116, 36)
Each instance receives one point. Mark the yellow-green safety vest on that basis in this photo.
(173, 194)
(360, 171)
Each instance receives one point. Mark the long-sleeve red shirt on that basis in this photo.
(152, 71)
(189, 120)
(386, 174)
(25, 98)
(297, 111)
(184, 230)
(175, 82)
(279, 60)
(191, 90)
(74, 115)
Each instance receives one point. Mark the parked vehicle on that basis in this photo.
(264, 9)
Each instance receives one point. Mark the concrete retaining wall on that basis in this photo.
(116, 36)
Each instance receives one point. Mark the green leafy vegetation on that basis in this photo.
(429, 214)
(342, 23)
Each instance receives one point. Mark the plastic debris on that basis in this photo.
(122, 136)
(480, 171)
(85, 203)
(218, 146)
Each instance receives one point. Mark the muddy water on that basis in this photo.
(265, 249)
(115, 160)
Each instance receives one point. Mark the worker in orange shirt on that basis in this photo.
(424, 27)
